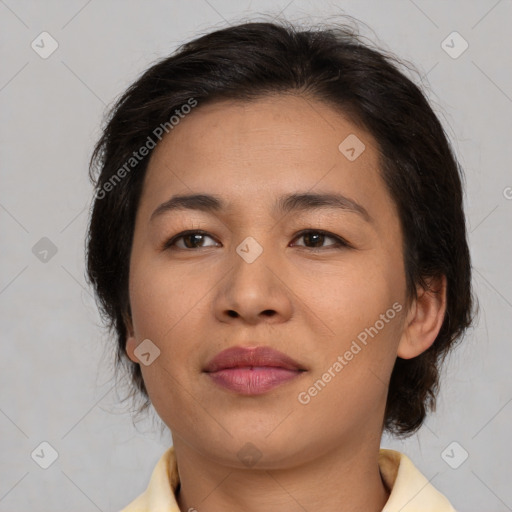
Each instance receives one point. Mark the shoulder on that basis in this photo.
(410, 491)
(159, 494)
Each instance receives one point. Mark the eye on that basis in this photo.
(188, 240)
(316, 238)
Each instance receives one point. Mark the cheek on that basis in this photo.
(163, 298)
(351, 296)
(167, 309)
(352, 382)
(364, 309)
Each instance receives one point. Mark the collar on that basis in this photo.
(410, 491)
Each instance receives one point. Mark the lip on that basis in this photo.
(252, 370)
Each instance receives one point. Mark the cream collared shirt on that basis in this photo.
(410, 490)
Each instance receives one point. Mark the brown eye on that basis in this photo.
(316, 239)
(189, 240)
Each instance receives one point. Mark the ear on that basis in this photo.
(131, 342)
(424, 319)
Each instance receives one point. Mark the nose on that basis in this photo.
(254, 292)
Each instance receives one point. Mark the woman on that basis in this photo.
(278, 240)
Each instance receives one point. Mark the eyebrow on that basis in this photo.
(298, 202)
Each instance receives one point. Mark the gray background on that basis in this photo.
(56, 380)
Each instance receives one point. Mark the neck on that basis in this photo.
(347, 479)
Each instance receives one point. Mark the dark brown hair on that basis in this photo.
(333, 65)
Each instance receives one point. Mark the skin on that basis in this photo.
(303, 296)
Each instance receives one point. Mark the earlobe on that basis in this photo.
(131, 342)
(131, 345)
(424, 319)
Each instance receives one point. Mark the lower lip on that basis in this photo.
(253, 381)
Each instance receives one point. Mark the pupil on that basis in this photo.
(314, 235)
(194, 240)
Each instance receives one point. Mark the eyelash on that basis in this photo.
(340, 242)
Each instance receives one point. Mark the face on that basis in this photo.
(298, 250)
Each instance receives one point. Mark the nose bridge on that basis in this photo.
(252, 287)
(252, 262)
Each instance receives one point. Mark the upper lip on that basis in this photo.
(245, 357)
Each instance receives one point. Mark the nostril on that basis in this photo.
(232, 314)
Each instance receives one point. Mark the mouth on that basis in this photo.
(252, 371)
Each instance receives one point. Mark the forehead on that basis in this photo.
(285, 124)
(272, 145)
